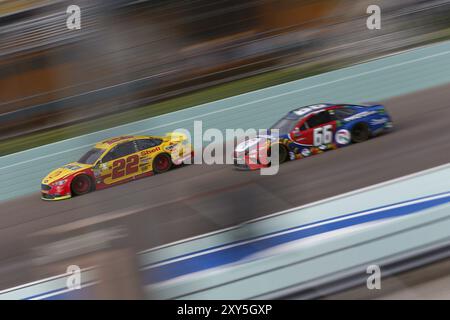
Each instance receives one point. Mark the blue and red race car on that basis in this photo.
(311, 130)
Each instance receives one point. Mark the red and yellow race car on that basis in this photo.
(116, 161)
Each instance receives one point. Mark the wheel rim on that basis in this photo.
(81, 185)
(162, 163)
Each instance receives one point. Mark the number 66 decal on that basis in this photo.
(323, 135)
(123, 167)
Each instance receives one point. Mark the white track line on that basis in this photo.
(59, 276)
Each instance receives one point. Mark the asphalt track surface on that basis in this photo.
(196, 199)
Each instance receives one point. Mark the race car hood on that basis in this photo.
(65, 171)
(252, 143)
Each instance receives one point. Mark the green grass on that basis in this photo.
(170, 105)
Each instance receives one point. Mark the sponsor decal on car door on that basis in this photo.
(147, 156)
(124, 168)
(124, 163)
(148, 150)
(316, 130)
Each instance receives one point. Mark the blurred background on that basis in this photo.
(132, 54)
(133, 60)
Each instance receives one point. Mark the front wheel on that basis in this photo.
(162, 163)
(282, 155)
(81, 185)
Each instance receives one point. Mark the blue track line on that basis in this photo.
(232, 253)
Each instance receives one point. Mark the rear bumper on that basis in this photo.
(186, 159)
(389, 126)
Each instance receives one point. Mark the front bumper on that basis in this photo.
(246, 164)
(53, 193)
(49, 197)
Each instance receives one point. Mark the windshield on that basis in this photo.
(91, 156)
(285, 125)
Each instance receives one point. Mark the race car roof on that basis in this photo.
(303, 111)
(108, 143)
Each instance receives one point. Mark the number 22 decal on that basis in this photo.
(323, 135)
(122, 167)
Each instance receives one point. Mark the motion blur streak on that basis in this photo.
(128, 54)
(206, 205)
(135, 60)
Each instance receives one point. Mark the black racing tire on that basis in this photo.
(360, 132)
(283, 153)
(162, 163)
(81, 184)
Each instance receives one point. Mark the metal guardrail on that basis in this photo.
(357, 276)
(296, 269)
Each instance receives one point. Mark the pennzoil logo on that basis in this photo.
(72, 167)
(172, 147)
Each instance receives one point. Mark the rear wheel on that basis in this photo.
(162, 163)
(360, 132)
(81, 184)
